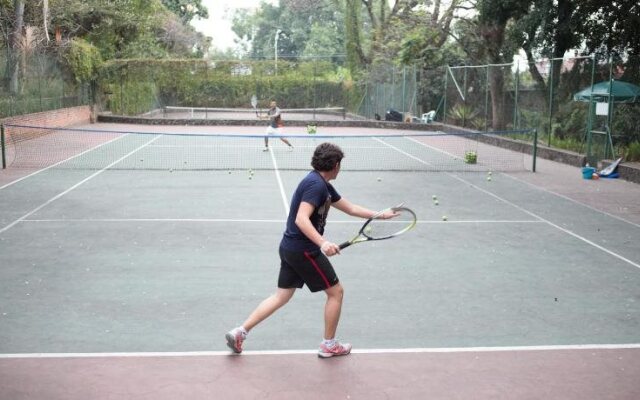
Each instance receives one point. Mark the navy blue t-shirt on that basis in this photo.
(313, 189)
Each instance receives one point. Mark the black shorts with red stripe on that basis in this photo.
(312, 268)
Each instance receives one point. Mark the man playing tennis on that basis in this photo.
(275, 125)
(304, 251)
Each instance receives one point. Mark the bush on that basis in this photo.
(632, 152)
(136, 86)
(83, 60)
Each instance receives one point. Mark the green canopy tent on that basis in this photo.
(602, 96)
(620, 92)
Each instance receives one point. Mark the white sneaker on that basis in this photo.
(234, 340)
(338, 349)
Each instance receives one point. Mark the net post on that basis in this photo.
(535, 149)
(2, 147)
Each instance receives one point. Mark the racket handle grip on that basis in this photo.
(344, 245)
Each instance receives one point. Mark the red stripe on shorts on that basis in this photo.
(315, 265)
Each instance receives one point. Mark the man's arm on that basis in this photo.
(303, 222)
(355, 210)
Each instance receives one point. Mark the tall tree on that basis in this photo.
(16, 37)
(187, 10)
(295, 22)
(549, 29)
(493, 17)
(610, 28)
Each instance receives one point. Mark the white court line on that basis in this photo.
(54, 198)
(60, 162)
(567, 231)
(534, 215)
(572, 200)
(284, 196)
(187, 220)
(627, 346)
(209, 220)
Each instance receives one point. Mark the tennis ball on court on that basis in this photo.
(249, 177)
(489, 178)
(434, 197)
(379, 179)
(436, 202)
(489, 173)
(229, 172)
(170, 169)
(444, 217)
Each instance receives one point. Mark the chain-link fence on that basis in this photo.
(541, 95)
(385, 88)
(134, 87)
(512, 96)
(34, 81)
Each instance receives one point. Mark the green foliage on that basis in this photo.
(632, 152)
(138, 86)
(313, 28)
(570, 121)
(187, 10)
(83, 60)
(465, 116)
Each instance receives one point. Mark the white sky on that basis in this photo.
(218, 25)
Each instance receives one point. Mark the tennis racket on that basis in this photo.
(381, 229)
(254, 104)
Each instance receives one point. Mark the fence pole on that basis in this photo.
(464, 99)
(402, 99)
(4, 156)
(535, 149)
(591, 108)
(610, 105)
(550, 130)
(444, 106)
(486, 101)
(515, 105)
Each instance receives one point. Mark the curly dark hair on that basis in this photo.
(326, 156)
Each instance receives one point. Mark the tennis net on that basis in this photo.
(43, 147)
(292, 114)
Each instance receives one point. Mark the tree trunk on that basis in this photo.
(16, 38)
(494, 38)
(45, 18)
(496, 88)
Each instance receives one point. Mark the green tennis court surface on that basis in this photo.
(102, 256)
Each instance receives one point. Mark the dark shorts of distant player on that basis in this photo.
(312, 268)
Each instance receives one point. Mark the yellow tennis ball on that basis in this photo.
(436, 202)
(379, 179)
(444, 218)
(434, 197)
(488, 178)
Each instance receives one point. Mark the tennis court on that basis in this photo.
(127, 256)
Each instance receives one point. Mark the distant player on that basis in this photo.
(275, 125)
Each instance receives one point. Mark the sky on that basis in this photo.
(218, 25)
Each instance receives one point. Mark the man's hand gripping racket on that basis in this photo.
(385, 224)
